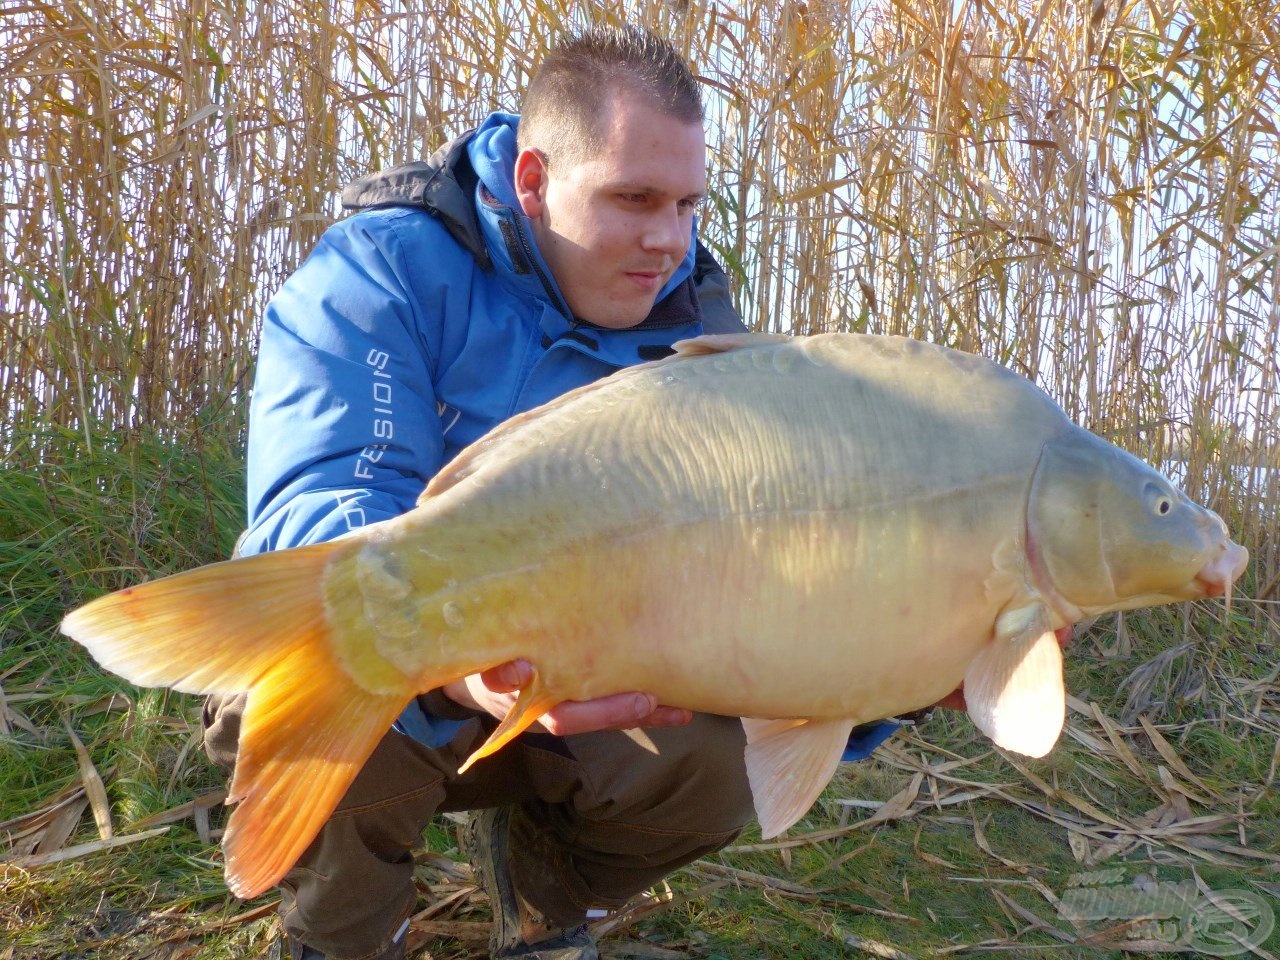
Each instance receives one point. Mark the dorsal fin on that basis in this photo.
(466, 462)
(469, 458)
(724, 342)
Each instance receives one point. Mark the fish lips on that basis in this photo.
(1225, 565)
(1223, 569)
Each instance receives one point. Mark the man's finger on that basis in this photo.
(508, 676)
(615, 712)
(667, 717)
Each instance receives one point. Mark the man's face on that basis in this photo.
(614, 226)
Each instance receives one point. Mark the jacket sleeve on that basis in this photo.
(865, 737)
(343, 425)
(344, 430)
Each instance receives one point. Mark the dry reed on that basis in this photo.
(1088, 192)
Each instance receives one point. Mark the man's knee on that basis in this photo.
(708, 773)
(690, 778)
(628, 809)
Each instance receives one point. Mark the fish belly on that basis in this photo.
(800, 614)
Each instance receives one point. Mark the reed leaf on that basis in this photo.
(1087, 192)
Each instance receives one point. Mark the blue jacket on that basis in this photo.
(413, 328)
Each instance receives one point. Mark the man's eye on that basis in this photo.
(633, 197)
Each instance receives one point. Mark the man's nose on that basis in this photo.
(666, 232)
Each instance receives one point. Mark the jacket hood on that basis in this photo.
(492, 152)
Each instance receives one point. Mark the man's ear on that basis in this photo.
(531, 181)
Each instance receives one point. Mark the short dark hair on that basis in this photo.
(566, 98)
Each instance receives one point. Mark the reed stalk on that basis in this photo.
(1087, 192)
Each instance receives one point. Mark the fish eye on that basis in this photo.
(1160, 500)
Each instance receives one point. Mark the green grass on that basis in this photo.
(939, 876)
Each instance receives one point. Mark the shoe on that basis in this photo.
(485, 839)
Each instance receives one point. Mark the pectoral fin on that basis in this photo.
(789, 763)
(532, 703)
(1013, 689)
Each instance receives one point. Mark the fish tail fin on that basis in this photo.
(532, 702)
(215, 629)
(257, 624)
(304, 736)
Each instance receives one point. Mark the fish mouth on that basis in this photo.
(1223, 569)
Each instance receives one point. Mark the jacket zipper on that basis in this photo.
(552, 293)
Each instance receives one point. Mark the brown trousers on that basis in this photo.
(598, 818)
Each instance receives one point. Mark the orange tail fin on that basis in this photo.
(255, 624)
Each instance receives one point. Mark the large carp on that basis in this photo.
(815, 532)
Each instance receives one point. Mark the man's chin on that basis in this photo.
(619, 317)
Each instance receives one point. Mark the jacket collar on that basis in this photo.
(443, 185)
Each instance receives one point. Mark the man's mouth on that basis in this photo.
(648, 280)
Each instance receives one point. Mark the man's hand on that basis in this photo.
(494, 692)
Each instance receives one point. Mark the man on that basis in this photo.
(521, 261)
(531, 256)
